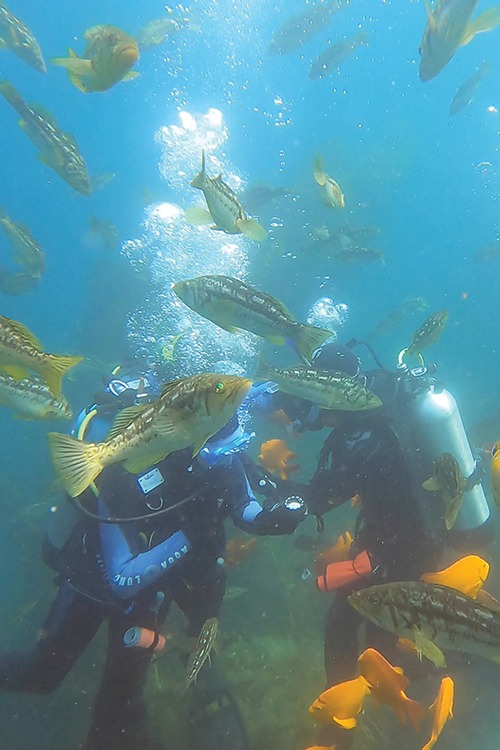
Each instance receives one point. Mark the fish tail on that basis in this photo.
(309, 338)
(200, 179)
(414, 712)
(9, 92)
(264, 371)
(53, 370)
(77, 464)
(252, 229)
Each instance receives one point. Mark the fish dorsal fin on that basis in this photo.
(25, 334)
(168, 387)
(124, 419)
(44, 113)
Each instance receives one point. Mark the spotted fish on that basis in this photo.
(434, 616)
(202, 650)
(429, 332)
(449, 482)
(32, 399)
(233, 305)
(327, 389)
(58, 150)
(14, 35)
(225, 211)
(27, 251)
(188, 412)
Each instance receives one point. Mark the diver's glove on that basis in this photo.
(283, 517)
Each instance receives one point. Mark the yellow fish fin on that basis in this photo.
(25, 334)
(138, 464)
(432, 484)
(198, 216)
(50, 159)
(278, 340)
(53, 369)
(430, 17)
(74, 64)
(18, 373)
(198, 446)
(308, 339)
(319, 171)
(131, 75)
(252, 229)
(425, 647)
(77, 464)
(123, 419)
(167, 425)
(486, 21)
(77, 82)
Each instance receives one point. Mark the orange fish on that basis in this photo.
(338, 552)
(387, 684)
(466, 575)
(441, 710)
(238, 550)
(495, 471)
(341, 703)
(406, 646)
(275, 457)
(280, 418)
(321, 747)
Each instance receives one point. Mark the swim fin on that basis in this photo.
(215, 716)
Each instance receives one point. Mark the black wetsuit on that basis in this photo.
(363, 457)
(123, 574)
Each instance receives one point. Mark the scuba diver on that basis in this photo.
(380, 457)
(129, 549)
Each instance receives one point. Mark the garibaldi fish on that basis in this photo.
(108, 58)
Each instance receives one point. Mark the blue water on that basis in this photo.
(431, 183)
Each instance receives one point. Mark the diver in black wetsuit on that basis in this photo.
(362, 457)
(130, 572)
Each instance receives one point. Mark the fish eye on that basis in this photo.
(219, 387)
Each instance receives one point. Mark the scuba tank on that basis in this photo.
(426, 418)
(427, 422)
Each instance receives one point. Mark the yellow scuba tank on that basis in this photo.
(427, 420)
